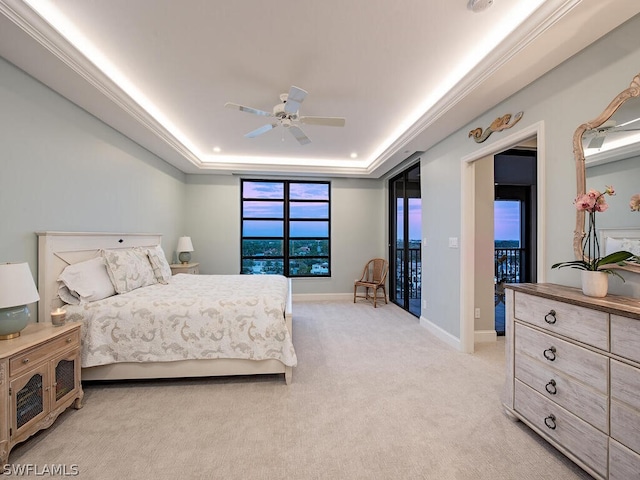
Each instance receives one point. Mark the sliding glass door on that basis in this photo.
(405, 222)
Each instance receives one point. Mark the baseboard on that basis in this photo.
(485, 336)
(443, 335)
(319, 297)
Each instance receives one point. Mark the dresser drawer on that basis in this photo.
(576, 397)
(583, 365)
(584, 441)
(625, 404)
(623, 463)
(579, 323)
(24, 361)
(625, 337)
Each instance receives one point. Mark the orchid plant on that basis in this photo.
(591, 203)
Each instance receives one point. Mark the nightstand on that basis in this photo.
(190, 268)
(39, 379)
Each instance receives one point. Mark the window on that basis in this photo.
(285, 228)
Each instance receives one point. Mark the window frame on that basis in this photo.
(287, 256)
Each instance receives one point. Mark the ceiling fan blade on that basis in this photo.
(261, 130)
(299, 134)
(294, 99)
(242, 108)
(326, 121)
(616, 130)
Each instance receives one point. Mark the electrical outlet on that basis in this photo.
(476, 314)
(424, 304)
(453, 242)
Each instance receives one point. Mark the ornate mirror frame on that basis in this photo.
(578, 152)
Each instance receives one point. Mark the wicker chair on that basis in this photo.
(373, 277)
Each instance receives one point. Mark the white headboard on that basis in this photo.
(56, 250)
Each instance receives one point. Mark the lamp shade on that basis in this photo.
(16, 285)
(17, 290)
(184, 245)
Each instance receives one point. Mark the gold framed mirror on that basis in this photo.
(623, 110)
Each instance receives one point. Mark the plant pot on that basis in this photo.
(595, 284)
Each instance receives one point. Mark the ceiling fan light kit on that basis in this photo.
(287, 116)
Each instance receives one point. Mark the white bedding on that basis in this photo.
(193, 317)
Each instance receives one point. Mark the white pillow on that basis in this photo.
(86, 281)
(128, 269)
(612, 245)
(158, 260)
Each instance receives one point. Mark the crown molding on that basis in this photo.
(533, 28)
(24, 17)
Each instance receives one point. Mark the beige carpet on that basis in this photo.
(374, 396)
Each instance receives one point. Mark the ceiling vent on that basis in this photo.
(479, 5)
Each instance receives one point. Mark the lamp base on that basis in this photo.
(184, 257)
(12, 321)
(9, 336)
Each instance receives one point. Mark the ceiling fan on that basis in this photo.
(599, 134)
(286, 115)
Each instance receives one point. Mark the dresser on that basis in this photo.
(39, 379)
(573, 374)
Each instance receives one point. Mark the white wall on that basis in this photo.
(62, 169)
(566, 97)
(357, 229)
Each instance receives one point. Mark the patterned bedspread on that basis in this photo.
(193, 317)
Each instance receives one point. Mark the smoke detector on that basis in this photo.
(479, 5)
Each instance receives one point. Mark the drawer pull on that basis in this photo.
(25, 360)
(551, 387)
(550, 354)
(550, 422)
(550, 317)
(69, 340)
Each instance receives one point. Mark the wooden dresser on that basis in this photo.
(39, 379)
(573, 374)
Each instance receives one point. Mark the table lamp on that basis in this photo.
(185, 247)
(17, 290)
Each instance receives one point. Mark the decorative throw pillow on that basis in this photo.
(86, 281)
(128, 269)
(158, 260)
(67, 296)
(631, 245)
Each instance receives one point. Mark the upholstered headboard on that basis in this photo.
(56, 250)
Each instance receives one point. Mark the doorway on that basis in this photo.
(533, 134)
(405, 253)
(515, 229)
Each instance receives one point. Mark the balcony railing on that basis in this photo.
(413, 271)
(509, 263)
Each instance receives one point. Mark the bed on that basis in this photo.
(215, 299)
